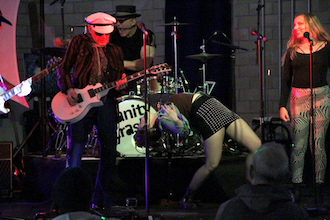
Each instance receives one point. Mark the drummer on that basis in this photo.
(130, 38)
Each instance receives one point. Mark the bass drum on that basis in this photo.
(130, 112)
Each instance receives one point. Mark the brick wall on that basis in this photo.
(152, 14)
(244, 17)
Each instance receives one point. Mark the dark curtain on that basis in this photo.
(205, 17)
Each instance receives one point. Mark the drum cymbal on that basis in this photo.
(175, 23)
(233, 47)
(77, 25)
(203, 56)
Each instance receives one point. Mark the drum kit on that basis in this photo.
(158, 91)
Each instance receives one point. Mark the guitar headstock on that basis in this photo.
(53, 64)
(159, 70)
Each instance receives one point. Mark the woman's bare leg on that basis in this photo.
(213, 153)
(241, 132)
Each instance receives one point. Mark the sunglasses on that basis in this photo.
(100, 35)
(122, 20)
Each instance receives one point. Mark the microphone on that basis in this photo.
(183, 77)
(215, 33)
(143, 28)
(223, 34)
(258, 35)
(306, 35)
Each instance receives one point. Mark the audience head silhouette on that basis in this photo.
(270, 164)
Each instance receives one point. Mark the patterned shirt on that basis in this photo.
(79, 57)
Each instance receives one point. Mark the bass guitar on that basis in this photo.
(90, 96)
(52, 65)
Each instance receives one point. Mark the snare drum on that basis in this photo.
(130, 112)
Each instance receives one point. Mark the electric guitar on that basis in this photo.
(52, 65)
(90, 96)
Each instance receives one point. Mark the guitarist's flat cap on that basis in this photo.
(101, 22)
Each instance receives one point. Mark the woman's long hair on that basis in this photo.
(316, 31)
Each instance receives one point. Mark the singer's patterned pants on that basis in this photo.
(300, 103)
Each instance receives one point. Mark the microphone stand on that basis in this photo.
(311, 112)
(261, 91)
(147, 106)
(320, 209)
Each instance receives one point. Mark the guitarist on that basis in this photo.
(25, 90)
(94, 60)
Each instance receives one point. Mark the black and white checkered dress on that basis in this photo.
(209, 115)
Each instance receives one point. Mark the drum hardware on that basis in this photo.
(209, 87)
(174, 34)
(185, 84)
(77, 25)
(62, 13)
(57, 140)
(91, 146)
(233, 50)
(175, 23)
(72, 26)
(231, 46)
(203, 57)
(162, 143)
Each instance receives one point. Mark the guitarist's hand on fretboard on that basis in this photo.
(121, 84)
(25, 88)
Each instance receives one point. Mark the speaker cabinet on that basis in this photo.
(6, 172)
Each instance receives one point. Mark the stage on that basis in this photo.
(168, 179)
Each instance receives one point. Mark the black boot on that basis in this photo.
(319, 193)
(187, 202)
(297, 188)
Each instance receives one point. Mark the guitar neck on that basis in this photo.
(112, 85)
(39, 75)
(17, 89)
(155, 70)
(12, 92)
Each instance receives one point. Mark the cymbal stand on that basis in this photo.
(174, 34)
(204, 68)
(42, 122)
(62, 14)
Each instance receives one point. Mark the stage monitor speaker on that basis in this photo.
(6, 172)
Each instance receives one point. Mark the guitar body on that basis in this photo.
(66, 113)
(3, 109)
(90, 96)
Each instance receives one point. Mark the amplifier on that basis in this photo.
(6, 172)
